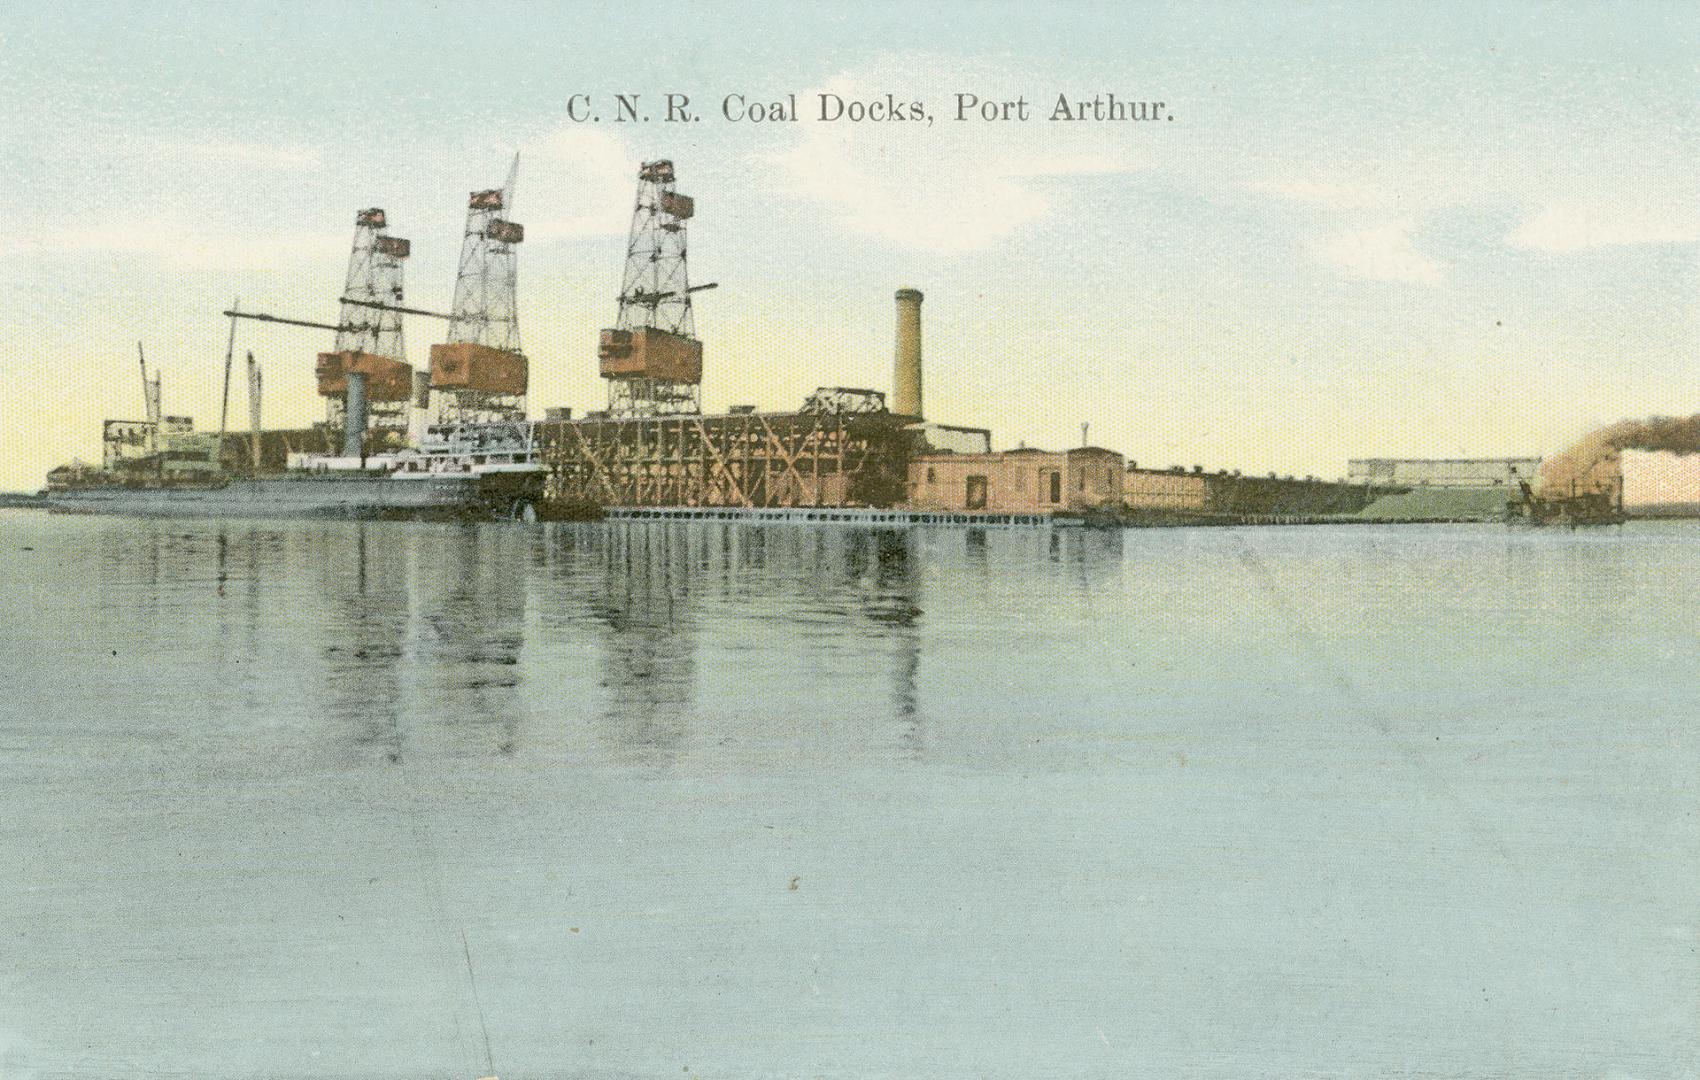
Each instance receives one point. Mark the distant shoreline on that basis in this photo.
(30, 500)
(1665, 510)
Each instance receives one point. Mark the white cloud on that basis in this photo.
(585, 179)
(177, 245)
(939, 187)
(223, 208)
(188, 203)
(1381, 252)
(247, 155)
(1334, 195)
(1568, 226)
(1082, 163)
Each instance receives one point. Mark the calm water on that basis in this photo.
(740, 802)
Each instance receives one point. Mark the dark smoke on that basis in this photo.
(1594, 463)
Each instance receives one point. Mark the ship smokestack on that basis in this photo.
(419, 412)
(906, 370)
(354, 416)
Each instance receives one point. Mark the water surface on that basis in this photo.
(783, 801)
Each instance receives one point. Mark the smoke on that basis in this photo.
(1594, 463)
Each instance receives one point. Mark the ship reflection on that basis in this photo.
(364, 640)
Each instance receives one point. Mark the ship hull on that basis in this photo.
(482, 497)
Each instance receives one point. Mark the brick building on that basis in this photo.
(1017, 481)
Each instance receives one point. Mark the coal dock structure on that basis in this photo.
(846, 455)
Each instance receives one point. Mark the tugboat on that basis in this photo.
(1596, 506)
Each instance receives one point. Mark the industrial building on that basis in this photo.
(1443, 472)
(1182, 494)
(1080, 481)
(1444, 489)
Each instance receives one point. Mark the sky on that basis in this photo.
(1367, 230)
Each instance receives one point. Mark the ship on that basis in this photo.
(457, 472)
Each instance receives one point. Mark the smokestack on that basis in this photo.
(253, 410)
(906, 371)
(354, 416)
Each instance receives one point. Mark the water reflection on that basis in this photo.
(896, 605)
(775, 597)
(469, 632)
(419, 627)
(653, 639)
(974, 543)
(208, 850)
(364, 642)
(648, 655)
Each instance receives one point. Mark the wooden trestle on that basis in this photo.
(756, 459)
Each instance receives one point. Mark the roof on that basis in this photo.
(1019, 452)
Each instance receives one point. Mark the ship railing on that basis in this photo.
(496, 437)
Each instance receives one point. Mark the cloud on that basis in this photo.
(179, 245)
(590, 174)
(936, 187)
(1083, 163)
(1568, 226)
(1335, 196)
(248, 155)
(189, 203)
(210, 204)
(1380, 252)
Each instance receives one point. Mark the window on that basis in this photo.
(931, 476)
(1082, 484)
(1056, 487)
(975, 495)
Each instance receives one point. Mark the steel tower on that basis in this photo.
(366, 325)
(652, 359)
(480, 376)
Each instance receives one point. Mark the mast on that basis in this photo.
(147, 400)
(151, 399)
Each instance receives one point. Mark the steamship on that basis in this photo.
(469, 472)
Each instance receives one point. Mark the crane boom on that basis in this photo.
(508, 188)
(396, 307)
(287, 322)
(147, 391)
